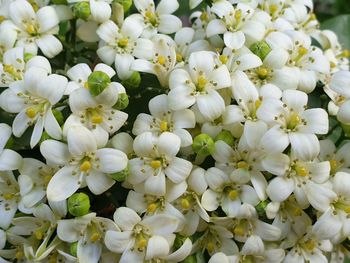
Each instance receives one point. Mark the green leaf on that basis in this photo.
(341, 26)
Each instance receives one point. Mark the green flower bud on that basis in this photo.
(225, 136)
(190, 259)
(203, 145)
(261, 49)
(81, 10)
(133, 82)
(260, 208)
(28, 56)
(58, 116)
(123, 102)
(97, 82)
(73, 249)
(59, 2)
(121, 176)
(78, 204)
(125, 3)
(346, 129)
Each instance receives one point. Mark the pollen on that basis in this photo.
(31, 29)
(163, 126)
(31, 112)
(185, 203)
(8, 196)
(95, 237)
(155, 164)
(204, 16)
(262, 73)
(294, 121)
(86, 85)
(302, 171)
(9, 69)
(123, 42)
(152, 207)
(302, 51)
(297, 211)
(345, 53)
(85, 166)
(258, 104)
(347, 209)
(161, 60)
(233, 194)
(334, 165)
(242, 165)
(47, 179)
(223, 59)
(210, 247)
(2, 18)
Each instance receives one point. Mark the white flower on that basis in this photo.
(291, 124)
(35, 29)
(162, 119)
(83, 164)
(121, 45)
(307, 180)
(14, 66)
(89, 231)
(235, 23)
(227, 192)
(33, 98)
(338, 158)
(100, 9)
(160, 61)
(140, 238)
(199, 84)
(157, 19)
(157, 161)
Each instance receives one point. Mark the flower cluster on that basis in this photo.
(143, 140)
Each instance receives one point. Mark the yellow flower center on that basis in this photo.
(238, 14)
(210, 247)
(155, 164)
(204, 16)
(334, 165)
(310, 244)
(95, 237)
(238, 230)
(31, 29)
(123, 42)
(161, 60)
(242, 165)
(151, 17)
(179, 57)
(223, 59)
(301, 171)
(2, 18)
(19, 255)
(297, 211)
(152, 207)
(9, 69)
(201, 82)
(294, 121)
(273, 8)
(38, 235)
(31, 112)
(8, 196)
(141, 244)
(262, 73)
(302, 51)
(96, 119)
(163, 126)
(185, 204)
(345, 53)
(258, 104)
(233, 194)
(85, 166)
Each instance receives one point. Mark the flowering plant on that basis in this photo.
(126, 136)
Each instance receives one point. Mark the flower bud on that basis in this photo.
(133, 82)
(73, 249)
(81, 10)
(121, 176)
(203, 145)
(261, 49)
(28, 56)
(78, 204)
(125, 3)
(261, 207)
(190, 259)
(225, 136)
(58, 116)
(59, 2)
(123, 102)
(97, 82)
(346, 129)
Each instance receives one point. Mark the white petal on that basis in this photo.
(80, 141)
(10, 160)
(178, 170)
(51, 126)
(304, 146)
(49, 45)
(215, 27)
(210, 200)
(157, 246)
(275, 140)
(276, 164)
(47, 18)
(55, 152)
(169, 24)
(117, 241)
(55, 90)
(155, 185)
(123, 64)
(111, 160)
(211, 105)
(100, 11)
(279, 189)
(63, 184)
(181, 253)
(168, 144)
(98, 182)
(344, 113)
(234, 40)
(167, 6)
(88, 251)
(126, 218)
(5, 134)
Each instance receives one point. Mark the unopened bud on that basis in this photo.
(203, 145)
(78, 204)
(123, 102)
(121, 176)
(261, 49)
(73, 249)
(225, 136)
(81, 10)
(97, 82)
(133, 82)
(28, 56)
(125, 3)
